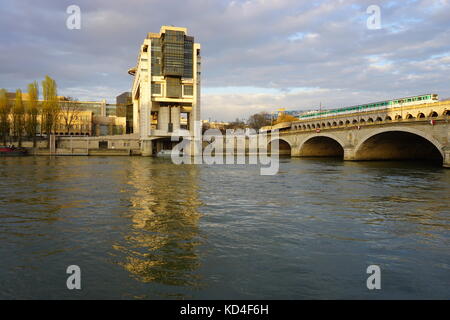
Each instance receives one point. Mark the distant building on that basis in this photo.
(12, 96)
(215, 124)
(124, 105)
(82, 118)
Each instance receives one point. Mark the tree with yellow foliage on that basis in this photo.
(18, 114)
(32, 111)
(50, 106)
(283, 117)
(5, 110)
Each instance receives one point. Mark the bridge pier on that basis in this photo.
(349, 154)
(446, 162)
(295, 151)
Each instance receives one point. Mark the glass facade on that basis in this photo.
(173, 87)
(95, 108)
(156, 62)
(173, 53)
(188, 90)
(188, 55)
(111, 110)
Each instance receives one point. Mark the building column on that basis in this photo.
(175, 115)
(136, 121)
(163, 118)
(446, 162)
(146, 148)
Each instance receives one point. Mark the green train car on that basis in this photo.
(408, 101)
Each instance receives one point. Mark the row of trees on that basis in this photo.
(26, 118)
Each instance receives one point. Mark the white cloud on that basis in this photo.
(255, 53)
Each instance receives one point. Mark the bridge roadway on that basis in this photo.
(413, 132)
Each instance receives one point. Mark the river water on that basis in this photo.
(144, 228)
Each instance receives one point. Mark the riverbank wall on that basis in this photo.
(115, 145)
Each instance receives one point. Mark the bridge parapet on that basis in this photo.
(425, 112)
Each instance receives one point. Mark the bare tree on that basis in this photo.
(70, 111)
(259, 120)
(32, 111)
(18, 114)
(5, 110)
(50, 106)
(236, 124)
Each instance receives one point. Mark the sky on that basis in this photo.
(257, 55)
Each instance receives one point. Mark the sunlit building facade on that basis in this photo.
(166, 89)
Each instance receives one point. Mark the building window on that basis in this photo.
(188, 90)
(173, 87)
(156, 88)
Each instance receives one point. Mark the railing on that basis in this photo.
(378, 110)
(313, 127)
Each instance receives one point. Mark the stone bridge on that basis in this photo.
(414, 132)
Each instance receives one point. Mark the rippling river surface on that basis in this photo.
(144, 228)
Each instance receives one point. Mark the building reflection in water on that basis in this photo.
(160, 246)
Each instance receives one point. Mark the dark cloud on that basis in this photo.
(309, 51)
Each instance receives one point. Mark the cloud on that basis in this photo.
(255, 52)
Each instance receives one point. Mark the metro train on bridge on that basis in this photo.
(401, 102)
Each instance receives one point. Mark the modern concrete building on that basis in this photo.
(166, 90)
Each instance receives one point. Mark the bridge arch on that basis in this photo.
(399, 143)
(284, 147)
(433, 114)
(322, 145)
